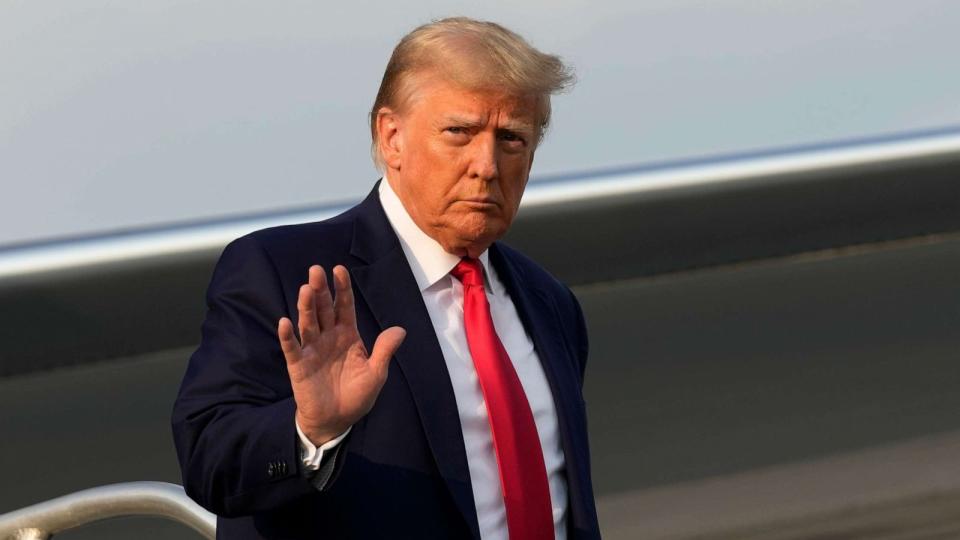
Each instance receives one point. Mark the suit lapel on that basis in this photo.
(540, 320)
(388, 287)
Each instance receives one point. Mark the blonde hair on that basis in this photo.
(478, 55)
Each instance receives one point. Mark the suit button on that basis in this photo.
(282, 468)
(272, 469)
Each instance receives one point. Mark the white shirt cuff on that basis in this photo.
(312, 455)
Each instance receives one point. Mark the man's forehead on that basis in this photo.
(506, 111)
(447, 99)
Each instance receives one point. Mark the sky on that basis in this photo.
(117, 115)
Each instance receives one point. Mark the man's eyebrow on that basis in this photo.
(473, 121)
(517, 125)
(462, 121)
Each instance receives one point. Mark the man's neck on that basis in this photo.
(428, 260)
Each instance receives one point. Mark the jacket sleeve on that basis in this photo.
(233, 420)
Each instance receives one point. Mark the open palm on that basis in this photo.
(335, 381)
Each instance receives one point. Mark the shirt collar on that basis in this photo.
(428, 260)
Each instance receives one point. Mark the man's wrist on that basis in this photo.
(318, 436)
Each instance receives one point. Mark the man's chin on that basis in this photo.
(472, 241)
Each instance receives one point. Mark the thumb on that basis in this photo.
(386, 345)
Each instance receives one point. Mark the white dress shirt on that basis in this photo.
(443, 296)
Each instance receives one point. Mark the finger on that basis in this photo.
(307, 310)
(318, 280)
(386, 345)
(288, 341)
(343, 304)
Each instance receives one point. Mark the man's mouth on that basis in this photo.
(481, 200)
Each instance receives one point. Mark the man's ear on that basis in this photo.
(389, 141)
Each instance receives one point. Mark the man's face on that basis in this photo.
(459, 161)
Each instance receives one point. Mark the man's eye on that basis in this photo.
(458, 130)
(511, 137)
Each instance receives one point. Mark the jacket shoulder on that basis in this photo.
(324, 242)
(534, 273)
(332, 234)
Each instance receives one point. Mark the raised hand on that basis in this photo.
(335, 381)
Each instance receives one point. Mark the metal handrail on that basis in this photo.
(160, 499)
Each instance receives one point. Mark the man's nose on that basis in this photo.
(483, 158)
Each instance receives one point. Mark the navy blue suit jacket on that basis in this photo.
(402, 470)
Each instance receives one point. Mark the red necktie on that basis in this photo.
(523, 476)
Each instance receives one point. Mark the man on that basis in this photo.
(293, 421)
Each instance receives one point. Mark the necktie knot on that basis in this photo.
(469, 272)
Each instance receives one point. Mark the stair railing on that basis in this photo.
(159, 499)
